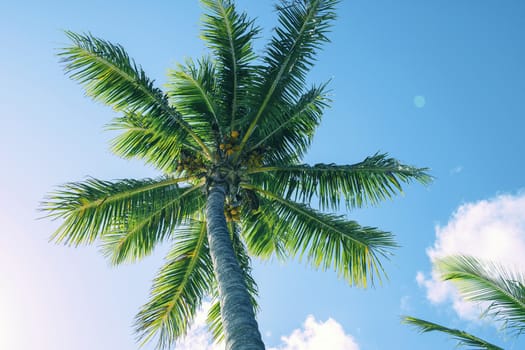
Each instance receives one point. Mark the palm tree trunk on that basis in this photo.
(240, 327)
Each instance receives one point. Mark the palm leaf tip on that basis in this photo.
(106, 71)
(463, 338)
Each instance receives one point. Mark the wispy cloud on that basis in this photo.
(456, 170)
(404, 304)
(489, 229)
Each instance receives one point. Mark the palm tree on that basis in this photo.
(500, 288)
(228, 136)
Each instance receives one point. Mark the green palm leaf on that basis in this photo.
(463, 338)
(302, 29)
(142, 139)
(373, 180)
(178, 289)
(192, 88)
(329, 241)
(134, 236)
(111, 77)
(229, 35)
(477, 280)
(289, 133)
(214, 321)
(94, 207)
(259, 232)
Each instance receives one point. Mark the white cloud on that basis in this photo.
(314, 335)
(318, 336)
(198, 336)
(489, 229)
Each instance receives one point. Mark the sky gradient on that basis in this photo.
(434, 83)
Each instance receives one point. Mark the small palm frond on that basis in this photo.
(191, 90)
(214, 314)
(375, 179)
(178, 288)
(214, 321)
(289, 133)
(111, 77)
(330, 241)
(142, 139)
(463, 338)
(136, 235)
(93, 207)
(490, 282)
(259, 232)
(229, 35)
(301, 32)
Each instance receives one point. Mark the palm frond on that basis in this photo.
(259, 232)
(192, 89)
(463, 338)
(301, 32)
(229, 35)
(330, 241)
(288, 134)
(373, 180)
(134, 236)
(111, 77)
(92, 208)
(214, 321)
(477, 280)
(178, 288)
(142, 139)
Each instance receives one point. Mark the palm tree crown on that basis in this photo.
(228, 136)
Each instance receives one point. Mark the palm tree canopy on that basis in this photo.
(235, 118)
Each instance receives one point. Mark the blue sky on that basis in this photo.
(434, 83)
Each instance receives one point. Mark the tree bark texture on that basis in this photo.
(241, 331)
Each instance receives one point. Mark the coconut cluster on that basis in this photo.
(190, 164)
(231, 143)
(232, 213)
